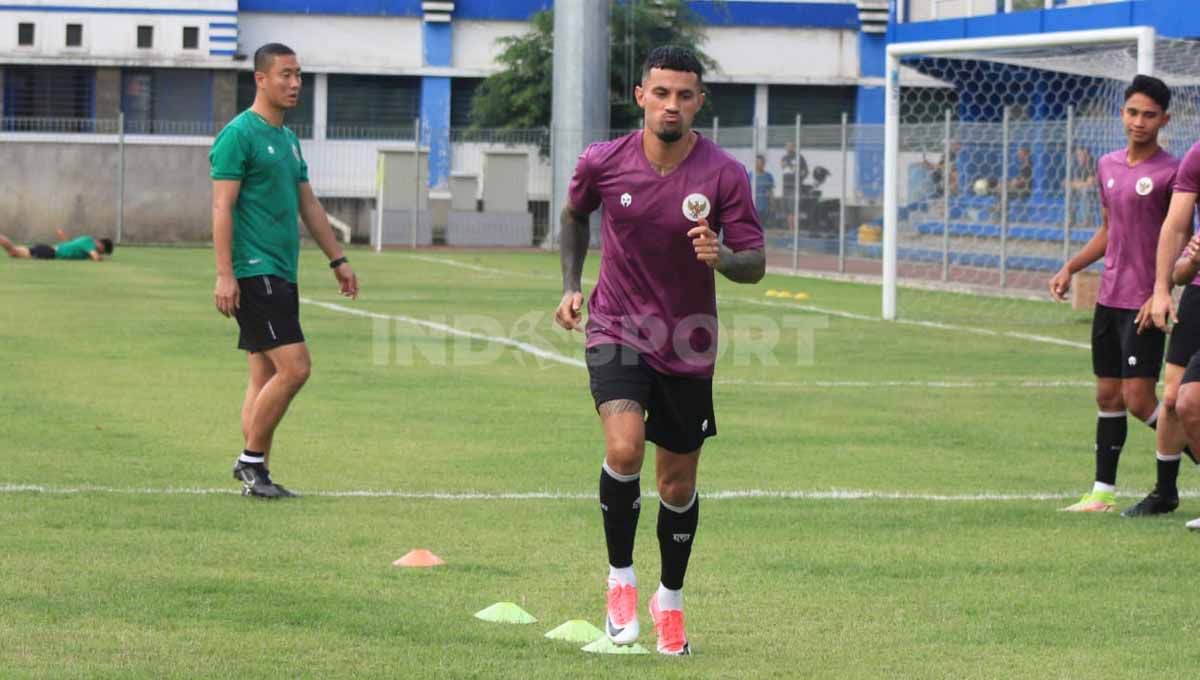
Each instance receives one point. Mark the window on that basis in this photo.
(173, 101)
(816, 104)
(39, 92)
(191, 37)
(462, 91)
(299, 118)
(732, 103)
(145, 37)
(373, 107)
(74, 35)
(24, 34)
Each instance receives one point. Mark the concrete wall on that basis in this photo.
(108, 93)
(74, 186)
(224, 97)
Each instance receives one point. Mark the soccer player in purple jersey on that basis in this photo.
(1135, 186)
(676, 207)
(1181, 392)
(1187, 272)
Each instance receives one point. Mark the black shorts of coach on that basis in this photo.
(1119, 351)
(679, 410)
(1185, 335)
(268, 313)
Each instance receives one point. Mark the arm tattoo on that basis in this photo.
(746, 266)
(615, 406)
(573, 248)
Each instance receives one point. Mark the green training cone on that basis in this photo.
(576, 630)
(505, 612)
(606, 646)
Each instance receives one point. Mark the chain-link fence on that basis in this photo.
(147, 181)
(993, 204)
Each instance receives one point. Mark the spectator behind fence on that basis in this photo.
(764, 189)
(1021, 185)
(1082, 187)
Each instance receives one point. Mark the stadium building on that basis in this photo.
(178, 69)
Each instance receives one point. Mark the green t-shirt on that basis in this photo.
(75, 249)
(266, 219)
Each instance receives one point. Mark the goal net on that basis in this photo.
(990, 153)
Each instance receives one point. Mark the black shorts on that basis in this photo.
(1118, 351)
(1185, 335)
(269, 313)
(679, 410)
(41, 251)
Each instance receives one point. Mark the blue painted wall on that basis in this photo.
(437, 43)
(1171, 18)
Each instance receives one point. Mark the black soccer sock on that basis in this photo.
(1168, 473)
(1111, 429)
(252, 458)
(621, 504)
(676, 531)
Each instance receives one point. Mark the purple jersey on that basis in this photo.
(1187, 180)
(1136, 199)
(653, 294)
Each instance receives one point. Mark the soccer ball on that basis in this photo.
(980, 187)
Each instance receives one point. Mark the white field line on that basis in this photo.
(458, 496)
(466, 265)
(571, 361)
(924, 324)
(451, 330)
(1045, 339)
(923, 384)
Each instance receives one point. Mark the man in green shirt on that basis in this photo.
(79, 248)
(260, 193)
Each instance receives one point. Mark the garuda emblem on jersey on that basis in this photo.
(1144, 186)
(696, 207)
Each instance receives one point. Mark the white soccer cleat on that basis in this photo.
(1194, 525)
(621, 623)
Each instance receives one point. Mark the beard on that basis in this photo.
(669, 135)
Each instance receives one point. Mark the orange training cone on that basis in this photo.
(419, 557)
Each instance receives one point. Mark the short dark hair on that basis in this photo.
(107, 244)
(673, 58)
(1151, 87)
(265, 55)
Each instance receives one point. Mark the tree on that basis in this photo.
(519, 96)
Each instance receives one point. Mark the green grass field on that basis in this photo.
(126, 551)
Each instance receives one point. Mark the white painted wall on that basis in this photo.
(923, 10)
(792, 56)
(340, 44)
(475, 47)
(111, 39)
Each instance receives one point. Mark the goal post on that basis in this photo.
(1064, 54)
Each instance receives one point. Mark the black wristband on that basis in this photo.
(338, 262)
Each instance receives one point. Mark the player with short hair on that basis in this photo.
(1181, 394)
(81, 247)
(260, 192)
(1135, 185)
(676, 207)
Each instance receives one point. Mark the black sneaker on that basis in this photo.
(284, 492)
(1153, 504)
(256, 481)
